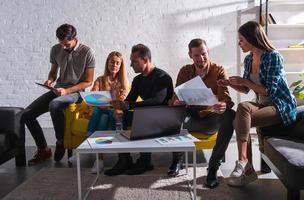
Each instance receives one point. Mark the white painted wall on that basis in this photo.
(27, 32)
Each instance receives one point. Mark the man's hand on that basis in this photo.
(197, 107)
(62, 91)
(117, 104)
(178, 103)
(220, 107)
(48, 82)
(118, 114)
(223, 82)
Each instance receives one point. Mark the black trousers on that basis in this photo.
(127, 122)
(222, 123)
(48, 102)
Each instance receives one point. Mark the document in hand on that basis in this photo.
(195, 92)
(97, 98)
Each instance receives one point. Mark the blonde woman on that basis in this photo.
(114, 80)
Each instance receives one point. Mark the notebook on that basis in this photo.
(155, 121)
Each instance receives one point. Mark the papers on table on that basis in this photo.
(176, 139)
(97, 98)
(101, 141)
(195, 92)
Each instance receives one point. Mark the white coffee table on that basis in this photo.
(122, 145)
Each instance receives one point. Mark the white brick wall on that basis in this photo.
(27, 32)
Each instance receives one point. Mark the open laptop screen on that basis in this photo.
(155, 121)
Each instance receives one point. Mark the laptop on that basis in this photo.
(155, 121)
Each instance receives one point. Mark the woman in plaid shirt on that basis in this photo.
(264, 74)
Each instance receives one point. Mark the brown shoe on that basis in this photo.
(59, 151)
(40, 156)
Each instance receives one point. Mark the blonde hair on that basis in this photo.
(121, 77)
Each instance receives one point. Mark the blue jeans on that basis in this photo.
(100, 120)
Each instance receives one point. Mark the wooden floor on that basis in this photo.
(266, 187)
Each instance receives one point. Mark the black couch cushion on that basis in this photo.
(295, 130)
(288, 156)
(4, 143)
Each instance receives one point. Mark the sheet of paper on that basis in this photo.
(97, 98)
(203, 96)
(195, 92)
(102, 141)
(195, 83)
(176, 139)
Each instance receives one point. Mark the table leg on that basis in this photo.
(186, 159)
(97, 160)
(78, 176)
(194, 174)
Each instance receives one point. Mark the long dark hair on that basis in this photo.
(255, 35)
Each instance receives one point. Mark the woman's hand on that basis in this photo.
(237, 81)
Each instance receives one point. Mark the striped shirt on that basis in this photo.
(273, 78)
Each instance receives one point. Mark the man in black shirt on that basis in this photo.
(155, 87)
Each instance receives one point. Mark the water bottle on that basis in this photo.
(118, 126)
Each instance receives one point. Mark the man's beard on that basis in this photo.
(201, 66)
(68, 50)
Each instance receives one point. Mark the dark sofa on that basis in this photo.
(282, 151)
(12, 135)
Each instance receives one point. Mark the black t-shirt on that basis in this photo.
(155, 89)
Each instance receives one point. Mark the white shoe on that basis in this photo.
(94, 168)
(238, 177)
(239, 168)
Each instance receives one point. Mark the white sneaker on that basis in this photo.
(94, 168)
(238, 177)
(239, 168)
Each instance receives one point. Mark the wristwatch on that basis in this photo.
(126, 106)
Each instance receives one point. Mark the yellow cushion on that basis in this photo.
(76, 123)
(207, 141)
(79, 126)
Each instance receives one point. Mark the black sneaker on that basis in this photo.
(211, 180)
(59, 151)
(124, 162)
(140, 167)
(174, 169)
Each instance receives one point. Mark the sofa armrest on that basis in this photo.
(11, 123)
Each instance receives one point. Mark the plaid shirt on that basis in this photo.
(273, 78)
